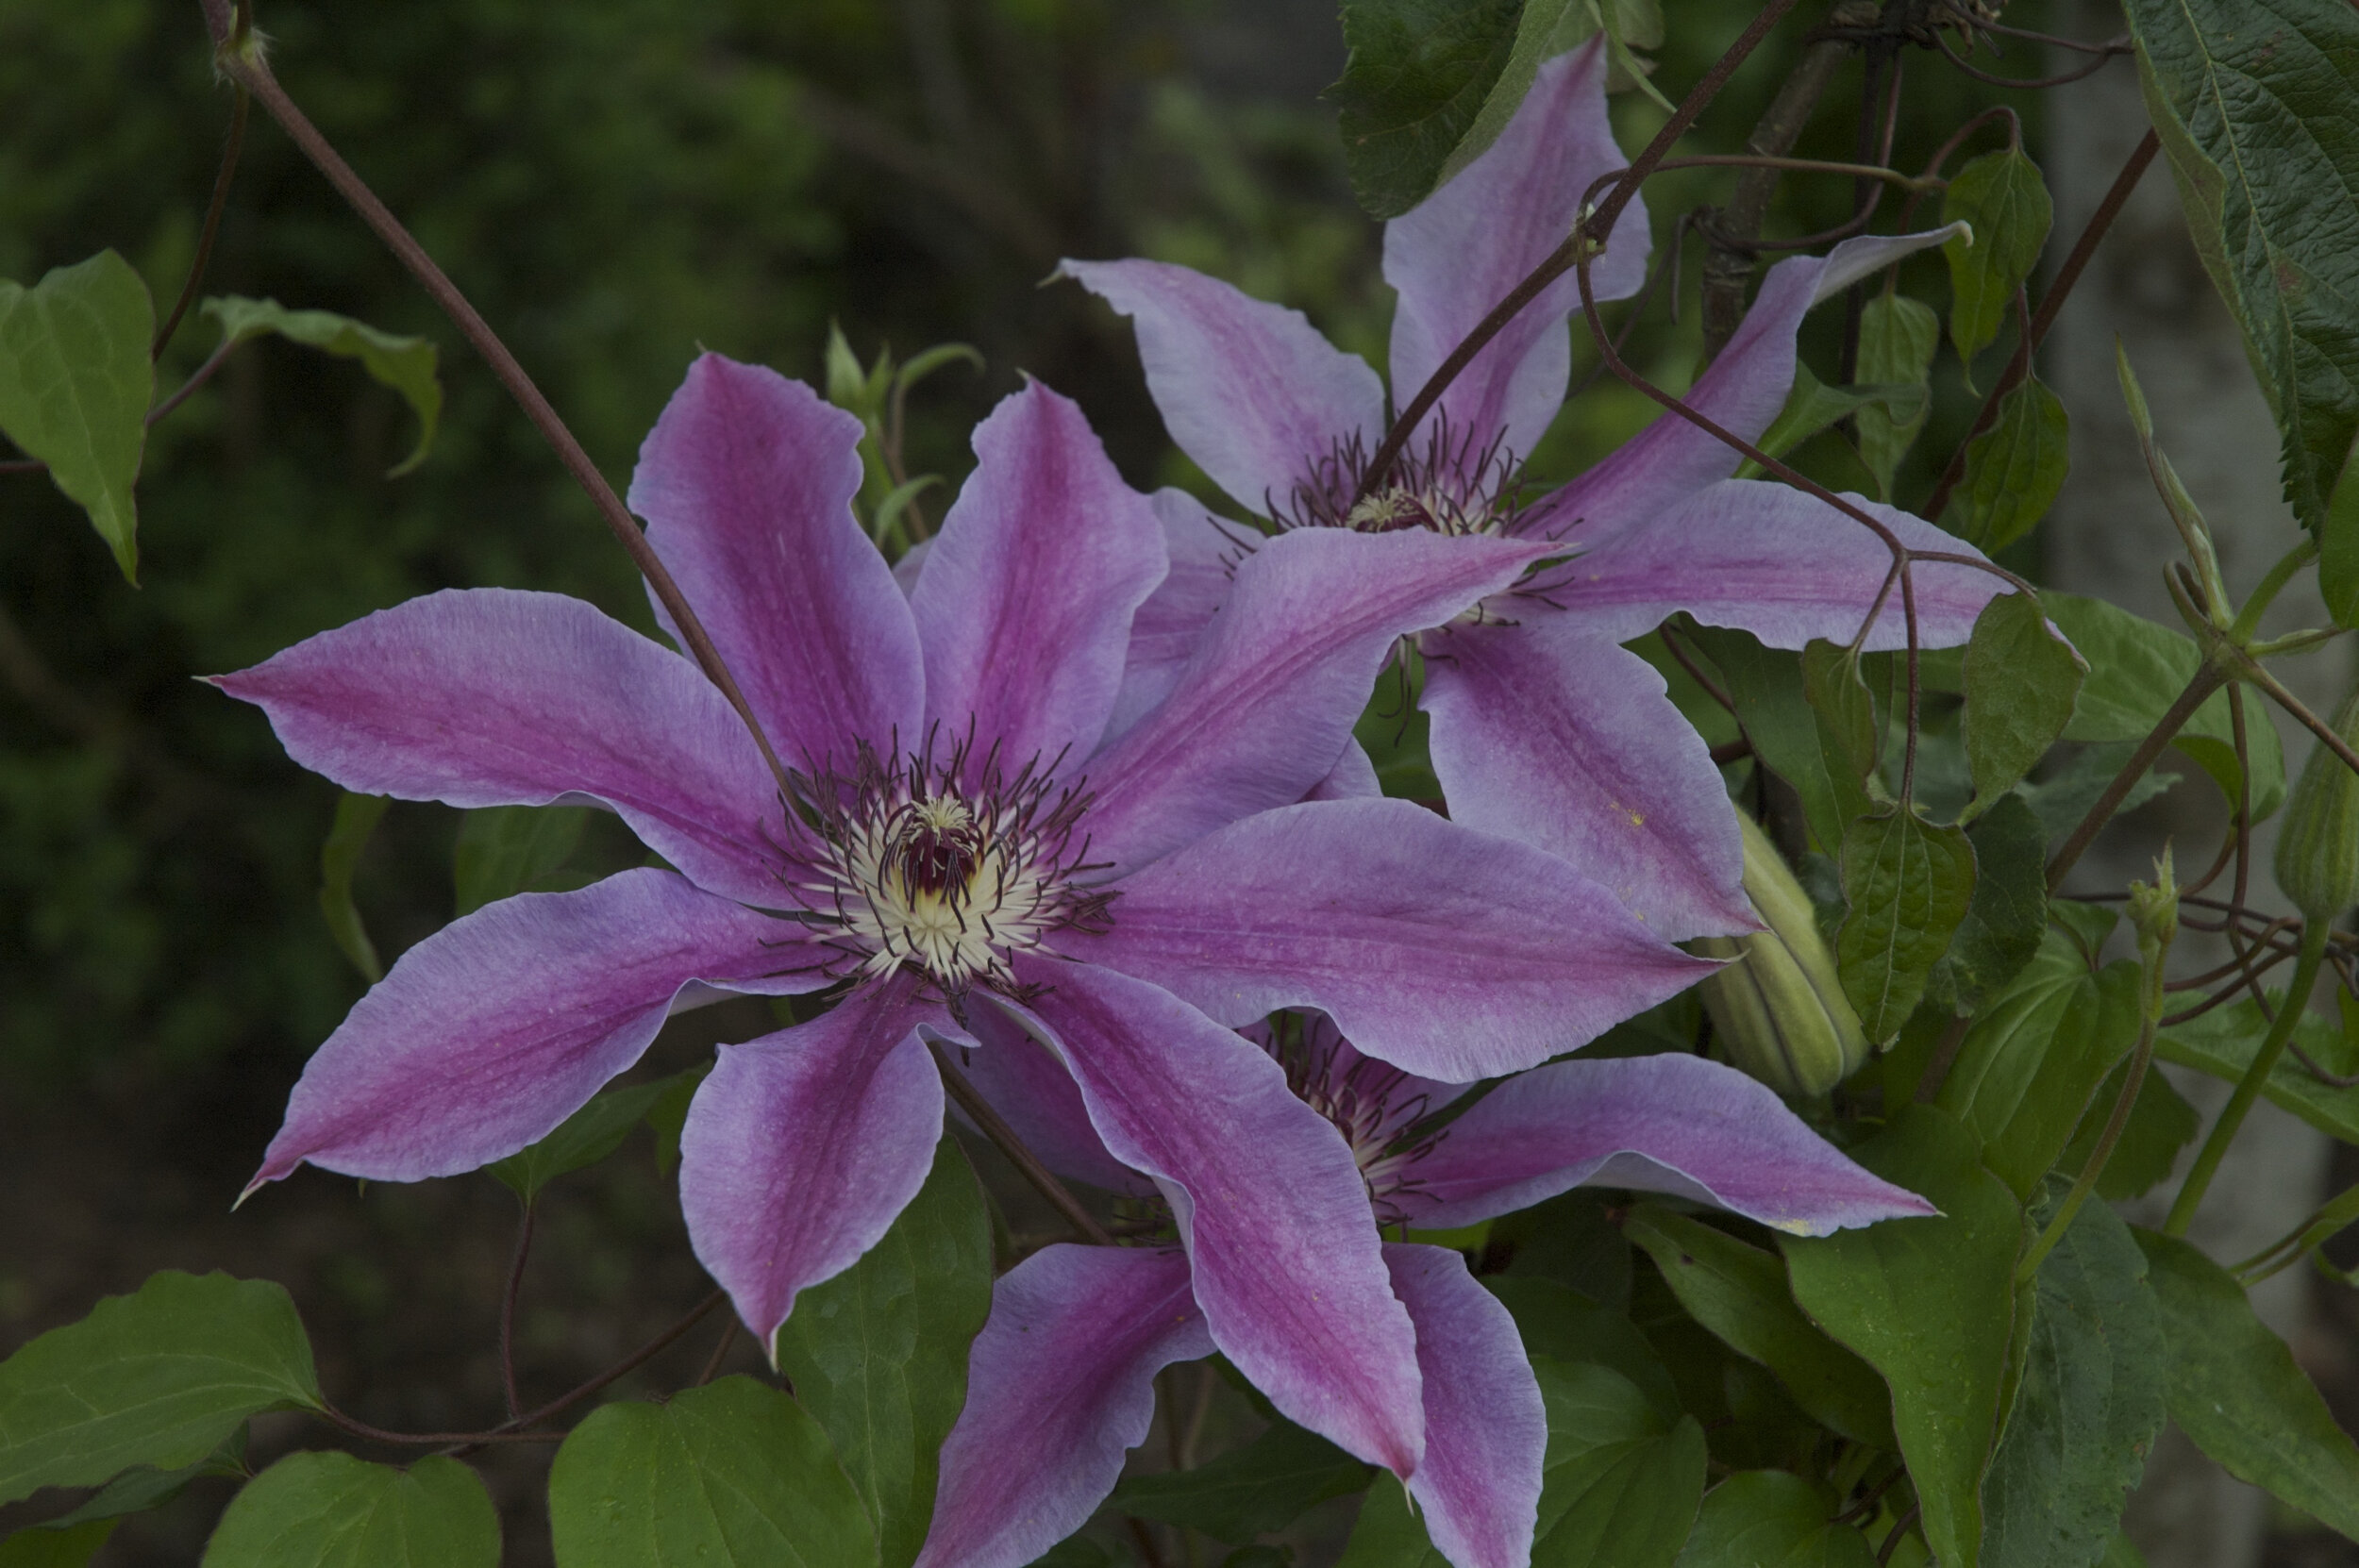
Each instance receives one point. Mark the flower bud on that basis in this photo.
(2317, 849)
(1779, 1010)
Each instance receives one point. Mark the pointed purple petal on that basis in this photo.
(1782, 565)
(1247, 389)
(501, 1024)
(747, 483)
(1204, 552)
(1468, 245)
(1269, 1203)
(802, 1146)
(1024, 605)
(489, 696)
(1672, 459)
(1454, 953)
(1031, 1089)
(1662, 1123)
(1547, 734)
(1058, 1386)
(1486, 1431)
(1352, 777)
(1262, 712)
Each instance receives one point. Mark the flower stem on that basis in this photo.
(508, 1313)
(2249, 618)
(2249, 1087)
(247, 68)
(213, 227)
(995, 1127)
(2208, 678)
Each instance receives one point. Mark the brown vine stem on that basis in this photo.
(1729, 265)
(1576, 246)
(507, 1312)
(212, 226)
(2208, 678)
(996, 1127)
(2301, 712)
(2019, 365)
(246, 67)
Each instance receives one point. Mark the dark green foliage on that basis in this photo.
(331, 1511)
(1909, 883)
(1419, 73)
(879, 1353)
(2090, 1402)
(1251, 1490)
(157, 1377)
(731, 1476)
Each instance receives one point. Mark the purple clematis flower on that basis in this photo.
(955, 826)
(1544, 729)
(1061, 1376)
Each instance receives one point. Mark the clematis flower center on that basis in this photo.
(1378, 1108)
(947, 869)
(1444, 484)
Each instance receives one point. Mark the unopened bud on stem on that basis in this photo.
(1778, 1009)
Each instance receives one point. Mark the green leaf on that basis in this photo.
(1771, 1519)
(879, 1353)
(331, 1511)
(2091, 1401)
(1908, 883)
(1264, 1486)
(1556, 1320)
(70, 1547)
(2028, 1070)
(1846, 715)
(143, 1486)
(2002, 196)
(2008, 916)
(2161, 1124)
(1740, 1293)
(159, 1377)
(590, 1134)
(2136, 670)
(1079, 1551)
(2222, 1040)
(2066, 795)
(1767, 688)
(668, 1116)
(1546, 30)
(357, 817)
(729, 1475)
(405, 364)
(2233, 1387)
(2338, 547)
(2021, 679)
(1621, 1483)
(2252, 100)
(2013, 470)
(511, 849)
(1813, 405)
(75, 385)
(1898, 338)
(1929, 1303)
(1415, 80)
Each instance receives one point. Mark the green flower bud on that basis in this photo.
(2317, 849)
(1779, 1010)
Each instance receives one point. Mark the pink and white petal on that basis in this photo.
(491, 696)
(1263, 709)
(1662, 1124)
(801, 1147)
(1060, 1385)
(1251, 390)
(1552, 736)
(1269, 1203)
(1454, 953)
(1468, 244)
(1743, 391)
(490, 1032)
(1204, 551)
(1486, 1430)
(1029, 1086)
(1023, 606)
(747, 483)
(1785, 566)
